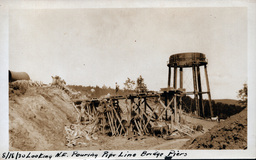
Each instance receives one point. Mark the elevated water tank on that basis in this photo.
(193, 60)
(187, 59)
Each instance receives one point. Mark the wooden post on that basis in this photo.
(191, 102)
(110, 123)
(103, 124)
(111, 114)
(200, 92)
(208, 90)
(145, 109)
(195, 90)
(145, 105)
(138, 105)
(181, 77)
(165, 103)
(169, 75)
(120, 122)
(180, 110)
(175, 77)
(175, 108)
(88, 108)
(130, 131)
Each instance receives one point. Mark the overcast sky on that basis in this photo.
(104, 46)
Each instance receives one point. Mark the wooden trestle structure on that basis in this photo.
(135, 114)
(142, 114)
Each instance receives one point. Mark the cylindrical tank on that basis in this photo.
(14, 76)
(187, 59)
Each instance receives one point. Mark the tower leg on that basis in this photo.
(181, 86)
(195, 90)
(169, 75)
(208, 90)
(181, 77)
(175, 78)
(200, 92)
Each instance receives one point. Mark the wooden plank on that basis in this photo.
(138, 105)
(175, 109)
(137, 127)
(148, 106)
(119, 120)
(117, 130)
(150, 117)
(109, 121)
(156, 116)
(103, 124)
(181, 130)
(112, 120)
(142, 128)
(145, 105)
(165, 108)
(180, 109)
(88, 110)
(112, 124)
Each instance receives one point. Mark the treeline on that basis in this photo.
(98, 92)
(219, 109)
(129, 87)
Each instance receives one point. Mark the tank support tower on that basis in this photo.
(193, 60)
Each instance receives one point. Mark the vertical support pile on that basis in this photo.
(208, 89)
(195, 89)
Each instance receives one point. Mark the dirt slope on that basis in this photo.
(229, 134)
(37, 118)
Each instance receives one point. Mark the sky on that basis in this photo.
(103, 46)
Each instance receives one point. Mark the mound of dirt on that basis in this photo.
(37, 117)
(229, 134)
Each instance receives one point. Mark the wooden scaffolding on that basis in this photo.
(144, 113)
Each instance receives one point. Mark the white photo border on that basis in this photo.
(6, 6)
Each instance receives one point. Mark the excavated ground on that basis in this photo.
(38, 116)
(37, 119)
(229, 134)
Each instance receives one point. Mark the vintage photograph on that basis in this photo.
(128, 79)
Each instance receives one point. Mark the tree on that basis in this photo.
(129, 84)
(242, 95)
(104, 87)
(141, 86)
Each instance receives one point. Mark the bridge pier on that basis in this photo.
(141, 111)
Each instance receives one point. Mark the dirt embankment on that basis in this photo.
(37, 118)
(229, 134)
